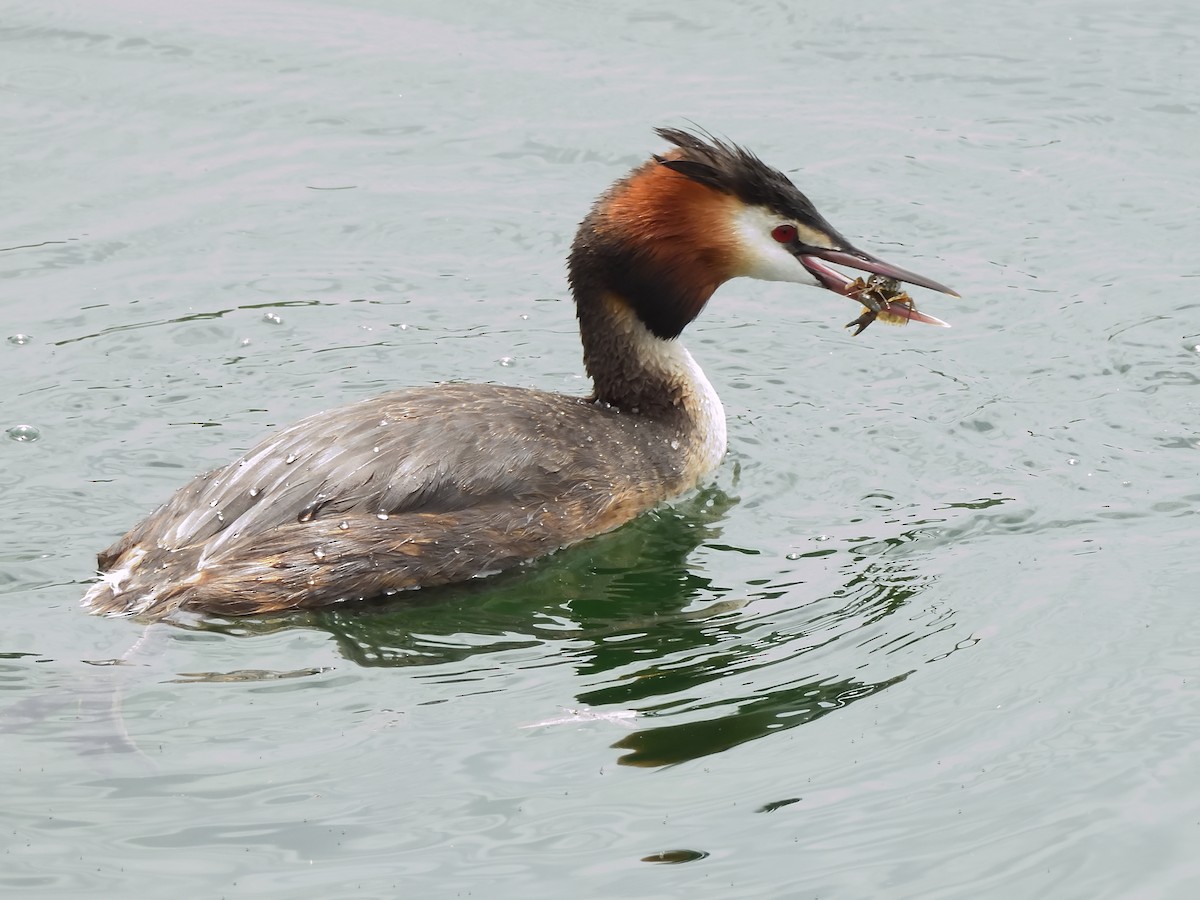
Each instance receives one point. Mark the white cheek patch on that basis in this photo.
(765, 258)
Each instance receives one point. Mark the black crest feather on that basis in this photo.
(731, 169)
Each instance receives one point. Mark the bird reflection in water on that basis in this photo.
(635, 613)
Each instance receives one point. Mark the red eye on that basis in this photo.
(785, 234)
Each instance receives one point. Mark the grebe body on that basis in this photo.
(441, 484)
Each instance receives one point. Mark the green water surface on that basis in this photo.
(929, 633)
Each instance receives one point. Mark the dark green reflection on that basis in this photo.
(749, 720)
(618, 607)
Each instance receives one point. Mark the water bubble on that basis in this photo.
(25, 434)
(272, 318)
(20, 339)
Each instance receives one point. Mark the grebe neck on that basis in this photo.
(644, 375)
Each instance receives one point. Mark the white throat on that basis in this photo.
(672, 361)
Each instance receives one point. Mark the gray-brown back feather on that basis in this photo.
(414, 487)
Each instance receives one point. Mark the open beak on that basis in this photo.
(814, 259)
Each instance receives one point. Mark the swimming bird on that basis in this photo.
(440, 484)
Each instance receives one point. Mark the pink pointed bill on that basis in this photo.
(814, 260)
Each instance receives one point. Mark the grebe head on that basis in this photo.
(667, 236)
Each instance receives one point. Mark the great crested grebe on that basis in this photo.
(440, 484)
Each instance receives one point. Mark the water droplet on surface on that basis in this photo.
(272, 318)
(318, 553)
(505, 360)
(383, 517)
(1072, 461)
(244, 342)
(822, 537)
(674, 445)
(374, 449)
(344, 525)
(793, 555)
(25, 434)
(20, 339)
(291, 458)
(253, 492)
